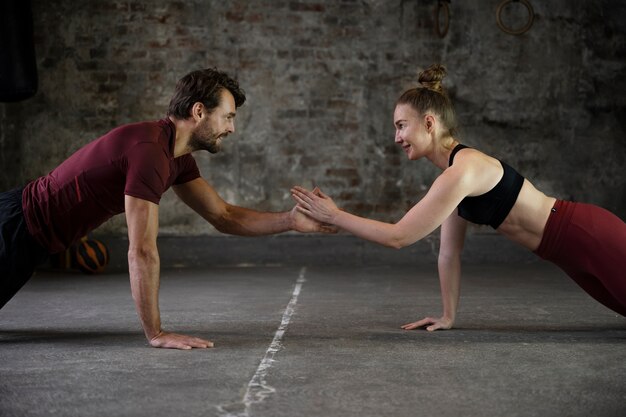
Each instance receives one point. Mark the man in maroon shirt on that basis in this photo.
(128, 170)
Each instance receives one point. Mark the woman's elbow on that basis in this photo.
(399, 236)
(449, 258)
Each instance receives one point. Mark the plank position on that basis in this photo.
(128, 170)
(586, 241)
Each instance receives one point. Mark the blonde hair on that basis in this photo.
(431, 96)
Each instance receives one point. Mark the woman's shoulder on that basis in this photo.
(477, 168)
(469, 158)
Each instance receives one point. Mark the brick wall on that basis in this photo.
(321, 79)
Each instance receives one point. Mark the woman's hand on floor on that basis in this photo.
(433, 324)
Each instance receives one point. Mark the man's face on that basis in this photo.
(214, 126)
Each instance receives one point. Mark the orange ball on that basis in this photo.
(91, 256)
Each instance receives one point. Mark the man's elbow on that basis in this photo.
(224, 221)
(225, 225)
(143, 254)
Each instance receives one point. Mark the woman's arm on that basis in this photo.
(449, 263)
(442, 199)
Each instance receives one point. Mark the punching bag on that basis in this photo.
(18, 69)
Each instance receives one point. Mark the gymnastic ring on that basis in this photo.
(446, 10)
(531, 17)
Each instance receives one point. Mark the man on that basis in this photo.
(128, 170)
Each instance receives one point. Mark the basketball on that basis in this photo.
(91, 256)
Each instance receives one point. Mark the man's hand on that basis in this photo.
(442, 323)
(178, 341)
(305, 224)
(315, 204)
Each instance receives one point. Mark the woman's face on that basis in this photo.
(410, 132)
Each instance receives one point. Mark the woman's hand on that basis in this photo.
(178, 341)
(302, 223)
(441, 323)
(315, 204)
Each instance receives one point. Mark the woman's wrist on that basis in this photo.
(334, 218)
(448, 317)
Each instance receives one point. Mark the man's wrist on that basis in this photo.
(151, 335)
(290, 221)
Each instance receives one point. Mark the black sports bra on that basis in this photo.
(492, 207)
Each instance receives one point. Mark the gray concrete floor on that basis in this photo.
(527, 342)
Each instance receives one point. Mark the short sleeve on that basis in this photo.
(148, 170)
(187, 169)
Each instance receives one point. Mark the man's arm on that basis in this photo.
(142, 218)
(235, 220)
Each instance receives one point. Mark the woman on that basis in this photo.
(586, 241)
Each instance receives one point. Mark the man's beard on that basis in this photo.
(205, 141)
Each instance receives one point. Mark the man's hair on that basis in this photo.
(204, 86)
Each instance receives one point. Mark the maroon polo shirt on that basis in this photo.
(89, 187)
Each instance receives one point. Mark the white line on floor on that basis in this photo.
(258, 389)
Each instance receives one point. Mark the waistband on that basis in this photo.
(557, 224)
(12, 199)
(11, 209)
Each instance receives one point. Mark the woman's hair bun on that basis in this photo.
(432, 76)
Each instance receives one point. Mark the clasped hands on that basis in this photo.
(315, 204)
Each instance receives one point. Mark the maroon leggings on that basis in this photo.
(589, 244)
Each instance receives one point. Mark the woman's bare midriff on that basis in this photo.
(528, 217)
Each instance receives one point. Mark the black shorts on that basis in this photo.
(19, 253)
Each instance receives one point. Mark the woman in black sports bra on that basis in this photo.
(586, 241)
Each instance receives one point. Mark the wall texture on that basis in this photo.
(321, 78)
